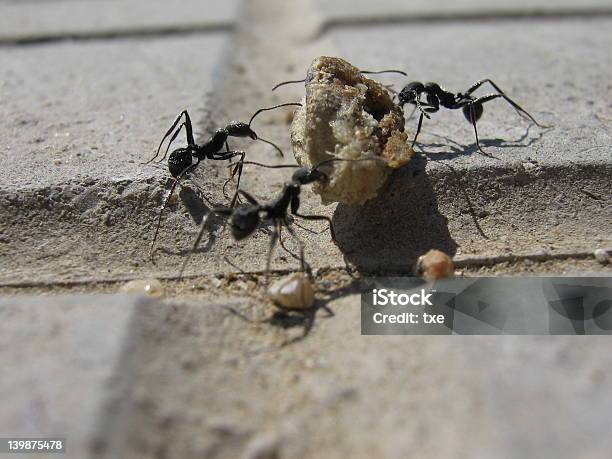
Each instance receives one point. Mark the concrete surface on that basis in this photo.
(41, 21)
(60, 357)
(362, 13)
(214, 370)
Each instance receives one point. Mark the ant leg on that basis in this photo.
(331, 230)
(303, 265)
(248, 197)
(232, 174)
(227, 150)
(239, 167)
(196, 243)
(473, 119)
(273, 241)
(188, 128)
(295, 205)
(282, 242)
(161, 212)
(520, 110)
(320, 218)
(174, 136)
(418, 130)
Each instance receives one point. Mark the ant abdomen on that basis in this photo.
(244, 221)
(179, 160)
(473, 112)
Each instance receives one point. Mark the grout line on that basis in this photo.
(460, 262)
(118, 34)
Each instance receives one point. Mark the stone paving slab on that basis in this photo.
(60, 356)
(364, 12)
(32, 21)
(207, 382)
(525, 200)
(553, 70)
(68, 116)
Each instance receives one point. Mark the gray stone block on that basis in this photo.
(31, 21)
(552, 69)
(60, 357)
(363, 12)
(96, 110)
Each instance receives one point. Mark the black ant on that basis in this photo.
(246, 219)
(180, 161)
(364, 72)
(471, 106)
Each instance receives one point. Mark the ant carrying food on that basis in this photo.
(246, 219)
(180, 161)
(471, 106)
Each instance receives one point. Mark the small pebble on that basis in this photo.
(173, 199)
(435, 264)
(264, 446)
(151, 287)
(57, 162)
(602, 256)
(293, 291)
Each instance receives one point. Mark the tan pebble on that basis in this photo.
(57, 162)
(435, 264)
(172, 200)
(602, 256)
(151, 287)
(293, 291)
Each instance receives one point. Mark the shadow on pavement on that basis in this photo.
(389, 232)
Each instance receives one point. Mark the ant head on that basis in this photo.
(305, 175)
(409, 92)
(239, 129)
(473, 112)
(244, 221)
(179, 160)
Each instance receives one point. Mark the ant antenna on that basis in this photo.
(277, 166)
(377, 72)
(288, 82)
(371, 72)
(276, 147)
(288, 104)
(272, 108)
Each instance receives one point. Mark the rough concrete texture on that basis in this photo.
(215, 370)
(60, 358)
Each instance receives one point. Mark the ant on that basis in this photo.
(363, 72)
(180, 161)
(471, 106)
(245, 220)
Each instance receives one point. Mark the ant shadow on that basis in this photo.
(388, 233)
(198, 206)
(457, 149)
(305, 319)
